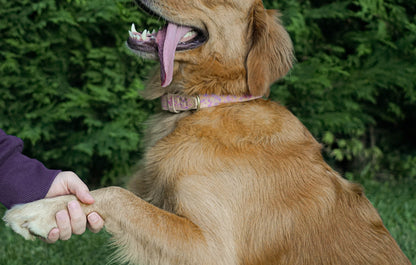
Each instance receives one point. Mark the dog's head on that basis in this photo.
(216, 46)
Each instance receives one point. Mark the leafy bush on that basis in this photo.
(68, 85)
(354, 82)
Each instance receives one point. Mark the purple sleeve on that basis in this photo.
(21, 179)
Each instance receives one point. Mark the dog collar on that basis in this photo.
(177, 103)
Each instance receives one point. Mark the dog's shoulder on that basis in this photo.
(259, 122)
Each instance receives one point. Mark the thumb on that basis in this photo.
(77, 187)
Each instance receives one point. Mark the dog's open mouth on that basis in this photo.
(171, 38)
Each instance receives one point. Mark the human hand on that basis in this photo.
(73, 220)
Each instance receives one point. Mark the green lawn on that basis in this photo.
(396, 203)
(89, 249)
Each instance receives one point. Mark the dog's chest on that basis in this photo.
(161, 125)
(187, 151)
(162, 165)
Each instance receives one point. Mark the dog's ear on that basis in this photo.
(270, 54)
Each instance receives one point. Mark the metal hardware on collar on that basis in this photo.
(177, 103)
(172, 107)
(198, 102)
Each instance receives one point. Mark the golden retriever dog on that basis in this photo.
(228, 177)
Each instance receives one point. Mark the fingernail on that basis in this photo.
(54, 233)
(88, 198)
(73, 205)
(93, 218)
(60, 215)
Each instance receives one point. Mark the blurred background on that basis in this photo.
(69, 88)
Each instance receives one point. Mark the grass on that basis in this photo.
(395, 201)
(396, 204)
(89, 248)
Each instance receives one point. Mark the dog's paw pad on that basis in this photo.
(18, 226)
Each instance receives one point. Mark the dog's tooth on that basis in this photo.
(144, 35)
(153, 31)
(133, 28)
(131, 34)
(187, 35)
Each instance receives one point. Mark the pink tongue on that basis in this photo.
(167, 40)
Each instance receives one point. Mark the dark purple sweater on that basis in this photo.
(22, 179)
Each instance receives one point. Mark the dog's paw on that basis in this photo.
(35, 219)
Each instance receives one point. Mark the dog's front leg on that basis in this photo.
(145, 233)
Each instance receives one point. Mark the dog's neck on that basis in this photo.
(176, 103)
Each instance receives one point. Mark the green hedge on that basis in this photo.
(68, 85)
(354, 82)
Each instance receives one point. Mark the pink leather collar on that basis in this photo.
(177, 103)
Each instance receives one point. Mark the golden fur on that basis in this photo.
(240, 183)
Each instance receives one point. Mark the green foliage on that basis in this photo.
(69, 87)
(354, 81)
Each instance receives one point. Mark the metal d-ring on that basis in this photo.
(198, 102)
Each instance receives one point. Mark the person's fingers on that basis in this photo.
(77, 218)
(64, 225)
(95, 222)
(53, 236)
(76, 186)
(67, 182)
(85, 196)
